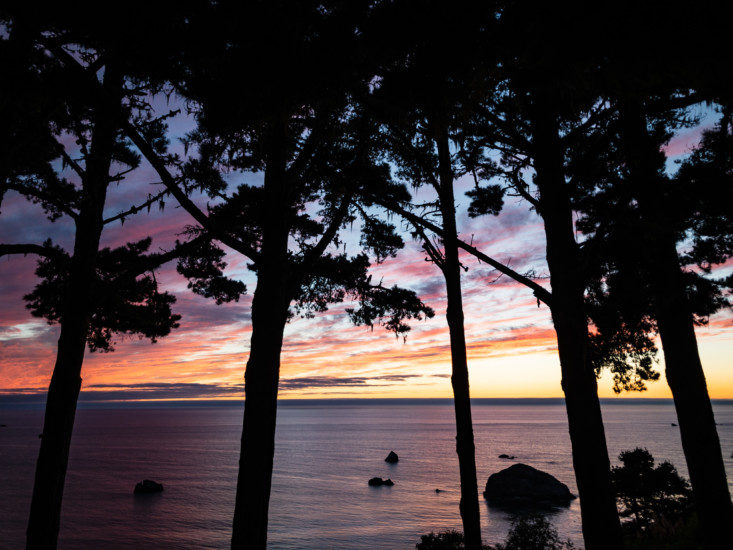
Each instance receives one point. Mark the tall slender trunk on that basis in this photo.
(269, 316)
(684, 371)
(601, 527)
(469, 505)
(260, 414)
(63, 391)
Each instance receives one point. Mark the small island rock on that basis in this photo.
(524, 485)
(392, 457)
(148, 486)
(509, 457)
(378, 481)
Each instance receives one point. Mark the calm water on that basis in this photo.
(325, 454)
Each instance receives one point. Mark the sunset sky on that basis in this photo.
(512, 346)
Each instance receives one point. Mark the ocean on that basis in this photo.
(326, 451)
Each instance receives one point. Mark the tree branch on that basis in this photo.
(43, 197)
(135, 209)
(155, 260)
(521, 189)
(540, 292)
(70, 161)
(25, 249)
(155, 161)
(312, 255)
(430, 249)
(211, 225)
(506, 129)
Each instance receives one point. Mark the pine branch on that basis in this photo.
(135, 209)
(43, 197)
(70, 161)
(209, 223)
(155, 260)
(541, 293)
(520, 187)
(317, 251)
(434, 254)
(25, 249)
(155, 161)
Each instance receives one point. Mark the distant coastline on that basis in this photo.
(91, 401)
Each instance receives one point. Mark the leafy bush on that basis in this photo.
(446, 540)
(649, 494)
(534, 533)
(528, 533)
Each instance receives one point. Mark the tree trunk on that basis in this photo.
(58, 425)
(258, 433)
(469, 505)
(63, 392)
(601, 527)
(269, 315)
(686, 379)
(684, 370)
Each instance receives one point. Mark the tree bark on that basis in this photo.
(601, 527)
(63, 392)
(683, 367)
(269, 315)
(260, 414)
(465, 447)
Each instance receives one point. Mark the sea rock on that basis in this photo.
(524, 485)
(148, 486)
(508, 457)
(392, 457)
(378, 481)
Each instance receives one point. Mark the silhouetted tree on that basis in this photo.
(93, 294)
(654, 212)
(649, 493)
(422, 104)
(541, 110)
(673, 310)
(301, 129)
(534, 533)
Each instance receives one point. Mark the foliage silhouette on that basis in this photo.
(533, 533)
(304, 132)
(93, 294)
(421, 102)
(540, 110)
(649, 493)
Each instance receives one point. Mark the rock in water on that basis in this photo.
(148, 486)
(392, 457)
(509, 457)
(523, 485)
(378, 481)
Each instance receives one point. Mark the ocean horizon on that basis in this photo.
(326, 450)
(88, 400)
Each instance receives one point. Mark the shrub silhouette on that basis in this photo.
(649, 494)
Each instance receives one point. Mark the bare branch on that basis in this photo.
(135, 209)
(70, 161)
(540, 292)
(432, 251)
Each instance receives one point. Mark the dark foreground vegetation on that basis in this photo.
(341, 109)
(654, 502)
(526, 533)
